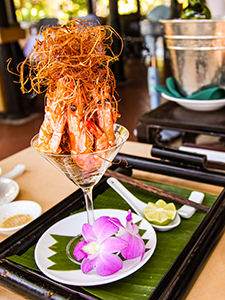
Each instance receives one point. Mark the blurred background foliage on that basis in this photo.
(34, 10)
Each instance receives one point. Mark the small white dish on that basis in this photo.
(23, 207)
(197, 105)
(72, 226)
(138, 205)
(9, 190)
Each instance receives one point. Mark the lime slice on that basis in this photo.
(160, 213)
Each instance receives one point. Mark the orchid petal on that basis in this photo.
(129, 216)
(108, 264)
(78, 252)
(88, 233)
(135, 247)
(113, 244)
(103, 228)
(132, 228)
(88, 265)
(116, 221)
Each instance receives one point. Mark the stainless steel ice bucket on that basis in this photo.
(197, 52)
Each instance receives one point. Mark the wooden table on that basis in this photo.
(50, 186)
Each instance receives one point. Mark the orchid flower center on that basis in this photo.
(91, 248)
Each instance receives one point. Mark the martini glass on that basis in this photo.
(85, 170)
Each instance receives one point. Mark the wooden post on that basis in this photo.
(3, 16)
(3, 23)
(2, 97)
(11, 12)
(138, 8)
(114, 21)
(12, 102)
(90, 7)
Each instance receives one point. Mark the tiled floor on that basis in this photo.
(134, 101)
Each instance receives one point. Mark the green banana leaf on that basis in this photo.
(142, 283)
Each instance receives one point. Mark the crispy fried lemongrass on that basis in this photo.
(71, 64)
(77, 50)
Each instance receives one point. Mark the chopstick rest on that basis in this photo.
(187, 211)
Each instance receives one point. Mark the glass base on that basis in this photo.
(71, 246)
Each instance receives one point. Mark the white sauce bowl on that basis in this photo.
(22, 207)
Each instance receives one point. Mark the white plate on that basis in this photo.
(199, 105)
(9, 190)
(72, 226)
(16, 208)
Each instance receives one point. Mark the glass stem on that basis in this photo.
(89, 205)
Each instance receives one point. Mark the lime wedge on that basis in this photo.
(160, 213)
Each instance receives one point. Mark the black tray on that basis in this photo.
(174, 284)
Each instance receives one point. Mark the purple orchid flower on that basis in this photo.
(135, 244)
(98, 247)
(106, 237)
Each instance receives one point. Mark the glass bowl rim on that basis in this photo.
(34, 138)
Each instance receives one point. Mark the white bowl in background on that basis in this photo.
(21, 207)
(198, 105)
(9, 189)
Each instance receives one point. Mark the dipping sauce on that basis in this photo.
(16, 220)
